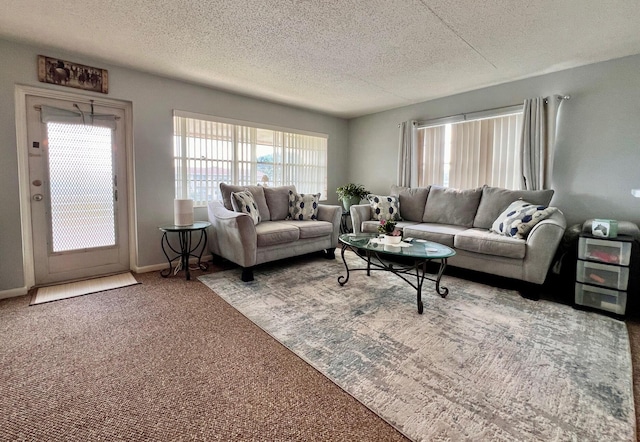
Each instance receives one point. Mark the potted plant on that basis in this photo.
(392, 235)
(351, 194)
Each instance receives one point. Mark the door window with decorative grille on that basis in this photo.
(81, 204)
(209, 151)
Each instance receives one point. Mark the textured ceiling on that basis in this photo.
(344, 57)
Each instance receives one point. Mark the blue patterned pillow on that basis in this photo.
(303, 206)
(385, 207)
(519, 218)
(244, 202)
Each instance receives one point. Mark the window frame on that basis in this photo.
(181, 155)
(447, 123)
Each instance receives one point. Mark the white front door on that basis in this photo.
(78, 190)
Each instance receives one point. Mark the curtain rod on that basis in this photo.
(559, 97)
(39, 109)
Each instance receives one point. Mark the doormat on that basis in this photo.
(79, 288)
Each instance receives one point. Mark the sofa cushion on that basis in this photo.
(276, 232)
(452, 206)
(278, 201)
(441, 233)
(256, 191)
(303, 206)
(384, 207)
(312, 229)
(495, 200)
(519, 218)
(371, 226)
(412, 201)
(243, 202)
(489, 243)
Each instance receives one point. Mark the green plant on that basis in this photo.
(351, 190)
(388, 227)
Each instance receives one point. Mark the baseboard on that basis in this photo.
(164, 265)
(20, 291)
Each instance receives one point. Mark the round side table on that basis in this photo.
(187, 248)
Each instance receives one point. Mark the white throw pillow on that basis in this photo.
(518, 219)
(385, 207)
(244, 202)
(303, 206)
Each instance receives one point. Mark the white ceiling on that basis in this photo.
(344, 57)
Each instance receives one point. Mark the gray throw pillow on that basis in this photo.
(278, 201)
(495, 200)
(412, 201)
(256, 191)
(452, 206)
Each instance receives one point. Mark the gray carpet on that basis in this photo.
(482, 364)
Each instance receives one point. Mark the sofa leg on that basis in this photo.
(530, 291)
(247, 274)
(330, 253)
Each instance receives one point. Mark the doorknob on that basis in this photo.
(37, 183)
(37, 197)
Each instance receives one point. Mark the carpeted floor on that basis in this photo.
(166, 360)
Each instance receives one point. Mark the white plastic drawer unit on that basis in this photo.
(602, 274)
(608, 252)
(601, 298)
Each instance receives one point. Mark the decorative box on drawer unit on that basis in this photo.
(602, 273)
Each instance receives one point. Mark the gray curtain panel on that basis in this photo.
(537, 141)
(408, 154)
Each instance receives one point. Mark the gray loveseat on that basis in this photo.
(235, 237)
(462, 219)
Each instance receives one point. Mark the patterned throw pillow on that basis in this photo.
(519, 218)
(244, 202)
(303, 206)
(385, 207)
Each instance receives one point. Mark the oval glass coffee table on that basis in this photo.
(380, 256)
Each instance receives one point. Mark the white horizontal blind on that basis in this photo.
(477, 152)
(209, 152)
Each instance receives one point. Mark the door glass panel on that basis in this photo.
(81, 187)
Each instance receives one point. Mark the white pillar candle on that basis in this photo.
(182, 212)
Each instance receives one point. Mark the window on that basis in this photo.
(471, 150)
(210, 150)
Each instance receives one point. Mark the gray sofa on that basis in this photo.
(235, 237)
(462, 219)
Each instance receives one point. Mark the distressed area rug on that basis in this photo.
(482, 364)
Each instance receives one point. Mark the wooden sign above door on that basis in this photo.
(66, 73)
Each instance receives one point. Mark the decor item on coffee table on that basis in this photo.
(420, 253)
(272, 234)
(481, 365)
(462, 220)
(351, 194)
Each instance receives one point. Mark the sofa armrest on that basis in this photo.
(234, 235)
(333, 214)
(542, 243)
(359, 213)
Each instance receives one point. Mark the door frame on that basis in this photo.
(21, 92)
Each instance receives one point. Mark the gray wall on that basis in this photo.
(154, 99)
(597, 155)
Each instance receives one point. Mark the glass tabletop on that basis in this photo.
(198, 225)
(418, 248)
